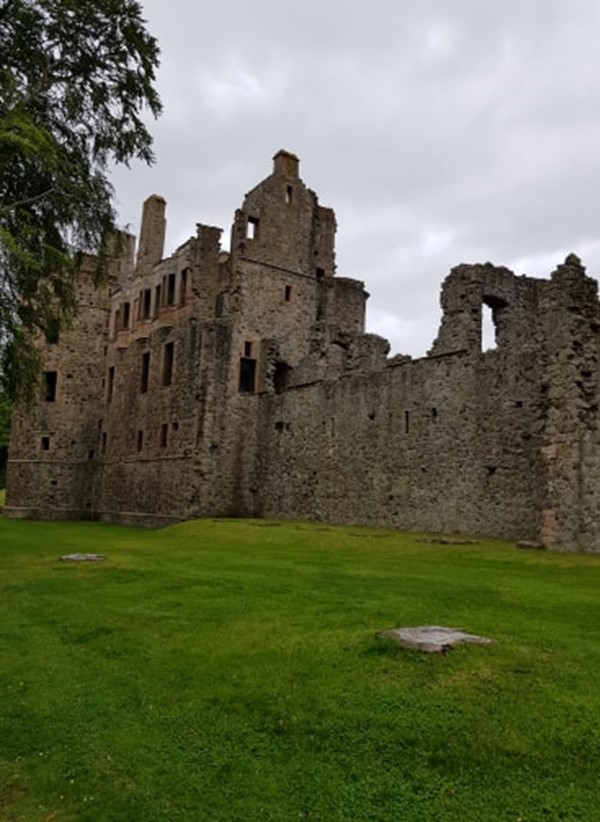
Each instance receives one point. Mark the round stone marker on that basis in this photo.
(82, 558)
(432, 639)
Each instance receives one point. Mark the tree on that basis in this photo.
(75, 79)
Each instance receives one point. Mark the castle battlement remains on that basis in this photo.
(241, 383)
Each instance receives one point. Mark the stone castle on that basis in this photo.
(241, 383)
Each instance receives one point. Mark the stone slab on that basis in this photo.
(432, 639)
(82, 558)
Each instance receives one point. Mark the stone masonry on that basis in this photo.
(241, 383)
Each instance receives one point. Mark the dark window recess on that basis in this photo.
(50, 379)
(164, 434)
(175, 426)
(406, 422)
(219, 305)
(247, 349)
(281, 376)
(126, 315)
(91, 455)
(104, 442)
(168, 356)
(434, 413)
(145, 372)
(53, 331)
(289, 193)
(171, 289)
(45, 443)
(320, 273)
(252, 228)
(140, 440)
(146, 303)
(157, 293)
(183, 287)
(247, 374)
(288, 293)
(111, 384)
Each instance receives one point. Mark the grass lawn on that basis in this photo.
(228, 670)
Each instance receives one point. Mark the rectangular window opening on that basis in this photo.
(320, 273)
(126, 315)
(140, 440)
(252, 228)
(104, 442)
(164, 434)
(111, 384)
(45, 443)
(168, 357)
(171, 289)
(146, 303)
(157, 292)
(247, 349)
(145, 372)
(50, 380)
(406, 422)
(289, 193)
(247, 375)
(288, 293)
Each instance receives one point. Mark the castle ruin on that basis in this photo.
(242, 383)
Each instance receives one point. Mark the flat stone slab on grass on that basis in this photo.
(432, 639)
(82, 558)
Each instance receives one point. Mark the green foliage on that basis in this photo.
(229, 671)
(75, 78)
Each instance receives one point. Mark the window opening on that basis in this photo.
(281, 376)
(168, 356)
(252, 228)
(145, 372)
(175, 426)
(45, 443)
(157, 301)
(171, 289)
(247, 349)
(126, 315)
(289, 193)
(104, 442)
(320, 273)
(288, 293)
(164, 433)
(247, 375)
(91, 454)
(406, 422)
(50, 379)
(111, 384)
(488, 328)
(140, 440)
(146, 303)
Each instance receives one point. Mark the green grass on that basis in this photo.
(229, 671)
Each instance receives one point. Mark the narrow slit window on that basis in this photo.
(50, 380)
(140, 440)
(164, 434)
(146, 304)
(126, 315)
(406, 422)
(168, 357)
(104, 442)
(157, 292)
(252, 228)
(45, 443)
(288, 293)
(247, 349)
(145, 372)
(289, 193)
(111, 384)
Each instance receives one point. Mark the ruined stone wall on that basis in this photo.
(54, 448)
(242, 383)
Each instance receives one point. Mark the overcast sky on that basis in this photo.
(440, 131)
